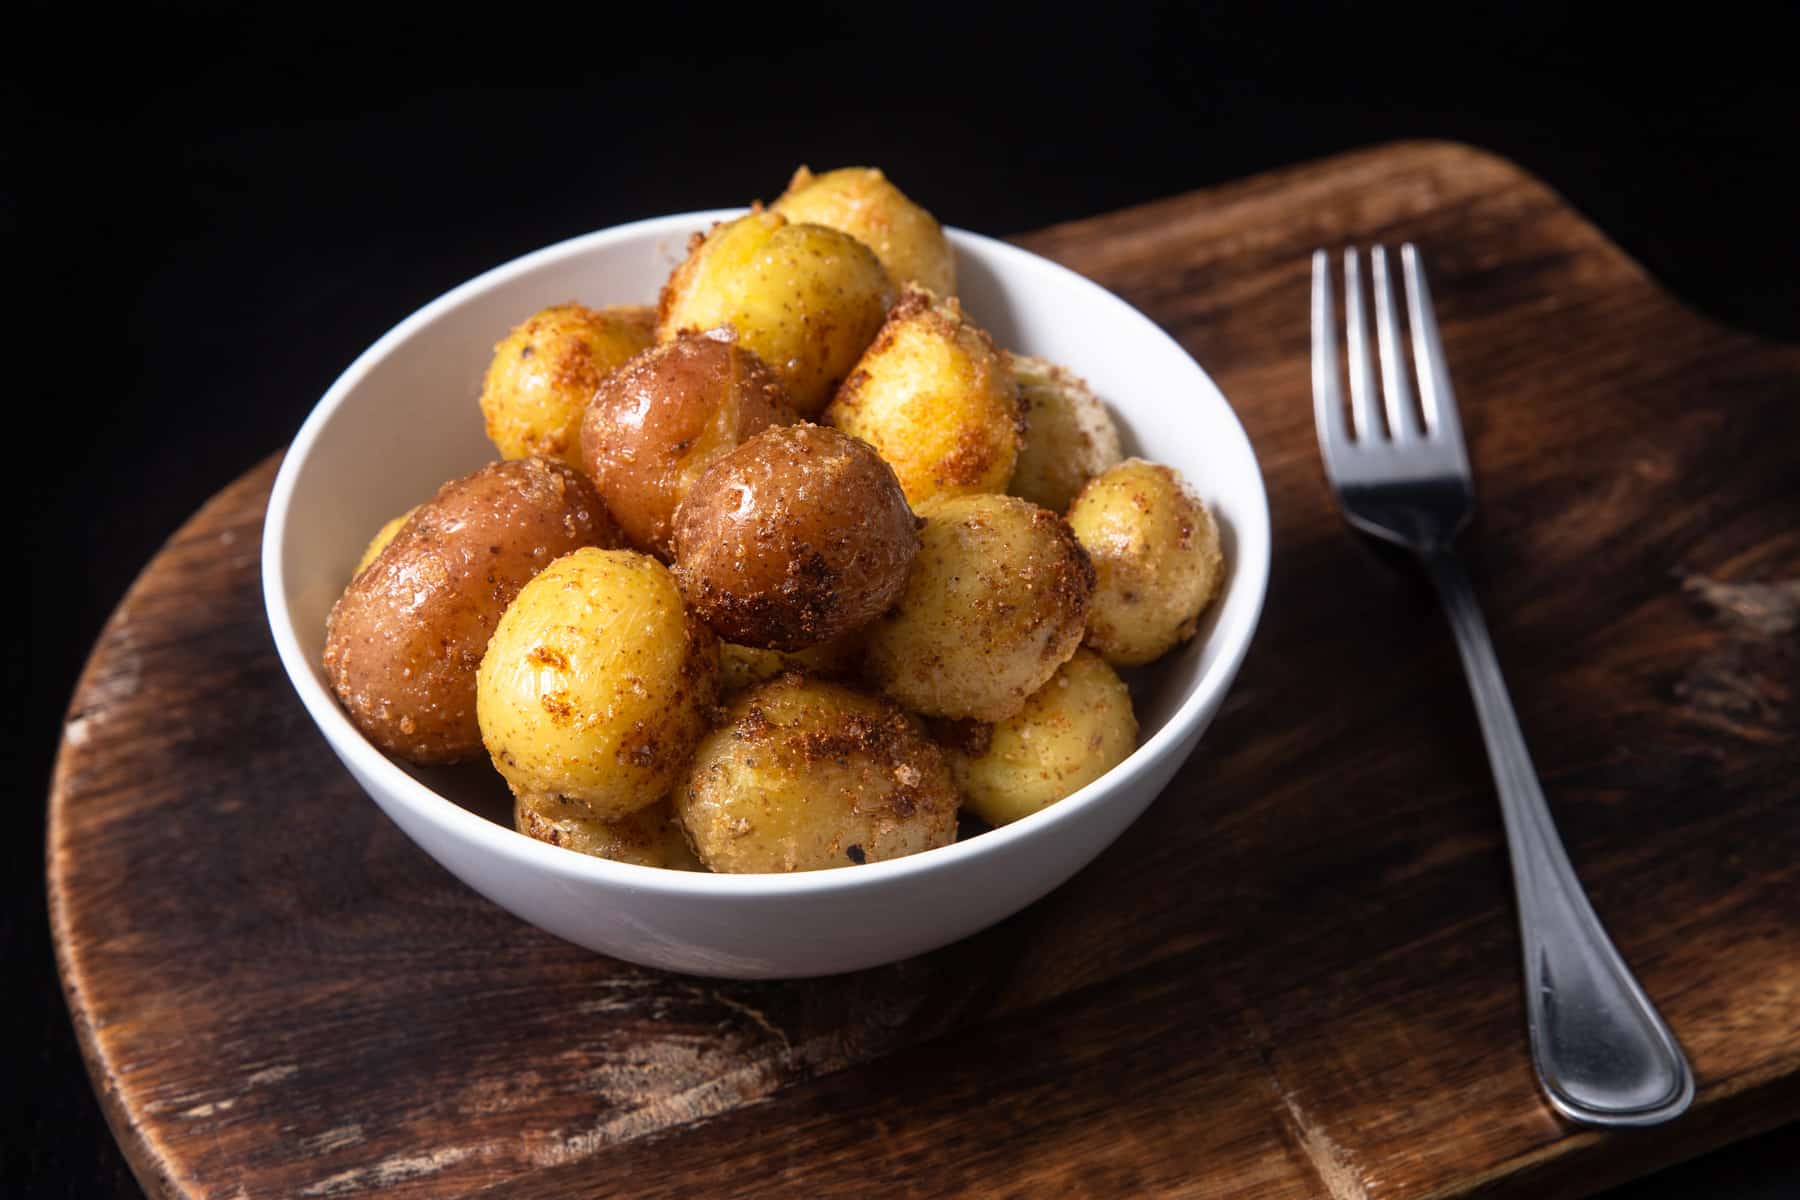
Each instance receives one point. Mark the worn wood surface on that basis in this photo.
(1297, 975)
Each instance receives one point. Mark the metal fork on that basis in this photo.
(1603, 1054)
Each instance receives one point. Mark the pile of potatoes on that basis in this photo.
(783, 574)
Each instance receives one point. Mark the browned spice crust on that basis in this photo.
(965, 735)
(800, 535)
(896, 773)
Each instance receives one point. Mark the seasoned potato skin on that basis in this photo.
(996, 601)
(863, 203)
(661, 419)
(804, 775)
(798, 536)
(649, 837)
(382, 537)
(596, 684)
(1069, 437)
(741, 667)
(936, 400)
(805, 298)
(1073, 730)
(403, 642)
(1156, 555)
(544, 372)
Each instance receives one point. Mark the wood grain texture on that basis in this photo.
(1296, 976)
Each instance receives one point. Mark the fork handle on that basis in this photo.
(1603, 1054)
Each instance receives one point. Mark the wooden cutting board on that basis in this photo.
(1297, 975)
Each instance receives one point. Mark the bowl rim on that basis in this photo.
(1249, 568)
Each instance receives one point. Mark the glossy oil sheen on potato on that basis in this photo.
(403, 641)
(595, 686)
(661, 419)
(379, 542)
(807, 299)
(1156, 556)
(996, 600)
(545, 371)
(863, 203)
(798, 536)
(936, 400)
(806, 775)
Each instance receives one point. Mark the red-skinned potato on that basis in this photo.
(798, 536)
(403, 642)
(382, 537)
(661, 419)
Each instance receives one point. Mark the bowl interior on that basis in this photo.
(403, 419)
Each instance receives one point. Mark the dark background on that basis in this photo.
(209, 214)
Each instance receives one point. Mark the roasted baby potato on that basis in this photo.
(1156, 556)
(746, 666)
(649, 837)
(544, 372)
(596, 685)
(1071, 731)
(996, 600)
(403, 641)
(798, 536)
(658, 421)
(806, 774)
(1069, 438)
(864, 204)
(807, 299)
(382, 537)
(936, 400)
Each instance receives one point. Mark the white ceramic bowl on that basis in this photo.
(403, 419)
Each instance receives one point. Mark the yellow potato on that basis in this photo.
(379, 542)
(596, 684)
(1071, 731)
(936, 400)
(996, 600)
(545, 371)
(746, 666)
(864, 204)
(805, 298)
(1156, 554)
(649, 837)
(1069, 438)
(807, 774)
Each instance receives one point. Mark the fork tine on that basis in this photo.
(1328, 400)
(1403, 424)
(1356, 337)
(1428, 354)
